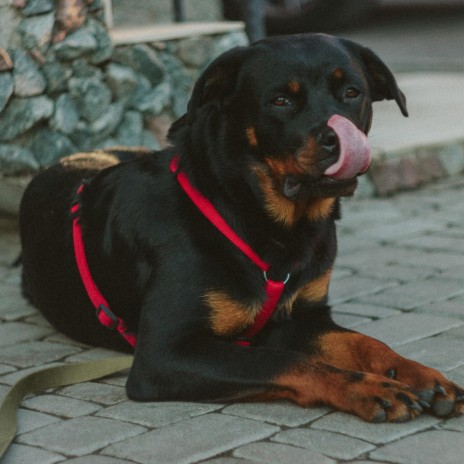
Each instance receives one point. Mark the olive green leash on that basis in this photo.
(57, 376)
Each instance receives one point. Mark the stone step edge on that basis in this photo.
(389, 173)
(159, 33)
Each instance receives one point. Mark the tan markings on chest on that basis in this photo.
(313, 292)
(228, 316)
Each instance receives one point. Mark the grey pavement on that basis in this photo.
(399, 278)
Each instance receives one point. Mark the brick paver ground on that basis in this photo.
(399, 277)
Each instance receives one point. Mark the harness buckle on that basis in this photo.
(111, 321)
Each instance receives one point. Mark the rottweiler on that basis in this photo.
(213, 257)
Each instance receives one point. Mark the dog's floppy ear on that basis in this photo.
(217, 81)
(382, 83)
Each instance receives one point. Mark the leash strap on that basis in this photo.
(274, 289)
(103, 311)
(51, 377)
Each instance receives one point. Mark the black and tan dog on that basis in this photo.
(274, 135)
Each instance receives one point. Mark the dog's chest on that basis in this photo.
(229, 316)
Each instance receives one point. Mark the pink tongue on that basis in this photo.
(355, 153)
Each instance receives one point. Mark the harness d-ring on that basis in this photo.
(284, 281)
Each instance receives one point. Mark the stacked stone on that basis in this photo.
(81, 92)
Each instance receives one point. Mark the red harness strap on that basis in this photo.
(106, 317)
(104, 314)
(274, 289)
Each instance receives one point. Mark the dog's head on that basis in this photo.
(293, 111)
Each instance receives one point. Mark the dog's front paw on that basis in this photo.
(441, 396)
(378, 399)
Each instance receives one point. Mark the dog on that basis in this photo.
(215, 254)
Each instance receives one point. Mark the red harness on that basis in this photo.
(106, 317)
(103, 311)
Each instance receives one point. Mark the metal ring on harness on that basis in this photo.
(284, 281)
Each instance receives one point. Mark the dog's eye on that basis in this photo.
(281, 101)
(352, 92)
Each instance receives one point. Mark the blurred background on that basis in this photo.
(420, 40)
(413, 35)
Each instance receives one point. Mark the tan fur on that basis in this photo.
(338, 73)
(313, 292)
(278, 207)
(281, 208)
(320, 209)
(307, 157)
(251, 136)
(228, 316)
(294, 86)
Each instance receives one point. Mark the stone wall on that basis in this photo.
(65, 87)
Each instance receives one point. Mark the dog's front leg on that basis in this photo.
(206, 368)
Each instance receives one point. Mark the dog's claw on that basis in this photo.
(439, 389)
(386, 404)
(459, 395)
(424, 404)
(416, 407)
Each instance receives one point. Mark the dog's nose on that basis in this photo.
(328, 141)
